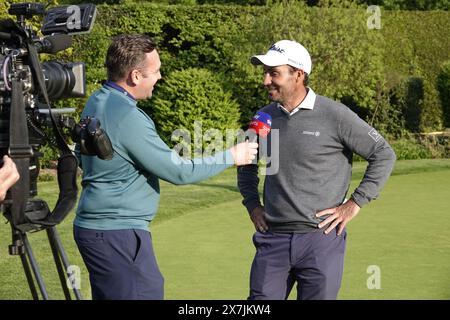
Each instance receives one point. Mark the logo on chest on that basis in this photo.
(311, 133)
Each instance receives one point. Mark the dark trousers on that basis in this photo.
(314, 260)
(121, 264)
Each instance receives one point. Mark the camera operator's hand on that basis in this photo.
(244, 153)
(8, 176)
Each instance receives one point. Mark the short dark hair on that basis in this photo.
(127, 52)
(305, 80)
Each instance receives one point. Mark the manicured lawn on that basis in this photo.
(202, 238)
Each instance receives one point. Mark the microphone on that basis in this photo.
(260, 125)
(53, 44)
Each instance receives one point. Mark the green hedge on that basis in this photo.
(338, 41)
(416, 44)
(387, 4)
(351, 63)
(222, 38)
(443, 84)
(388, 76)
(189, 98)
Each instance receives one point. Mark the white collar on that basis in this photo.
(307, 103)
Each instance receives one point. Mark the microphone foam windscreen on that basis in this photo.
(261, 124)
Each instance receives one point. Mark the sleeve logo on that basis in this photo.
(374, 135)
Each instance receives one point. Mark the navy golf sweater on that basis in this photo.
(309, 155)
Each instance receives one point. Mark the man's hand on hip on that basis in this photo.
(338, 216)
(257, 216)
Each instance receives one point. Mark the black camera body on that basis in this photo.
(26, 88)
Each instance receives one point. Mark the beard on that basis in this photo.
(274, 94)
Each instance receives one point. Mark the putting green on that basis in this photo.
(202, 239)
(206, 254)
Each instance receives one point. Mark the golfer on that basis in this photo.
(300, 229)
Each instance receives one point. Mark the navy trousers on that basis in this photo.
(314, 260)
(121, 264)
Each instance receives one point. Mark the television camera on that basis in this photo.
(27, 121)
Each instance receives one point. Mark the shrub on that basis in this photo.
(409, 149)
(417, 43)
(49, 156)
(407, 97)
(443, 85)
(190, 95)
(417, 100)
(388, 120)
(438, 144)
(46, 176)
(414, 5)
(431, 117)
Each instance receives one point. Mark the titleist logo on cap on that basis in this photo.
(275, 48)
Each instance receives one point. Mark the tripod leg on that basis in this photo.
(30, 280)
(34, 267)
(60, 256)
(57, 259)
(17, 248)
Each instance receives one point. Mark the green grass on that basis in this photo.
(202, 238)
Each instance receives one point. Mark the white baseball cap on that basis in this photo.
(285, 52)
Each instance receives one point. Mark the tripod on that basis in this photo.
(21, 246)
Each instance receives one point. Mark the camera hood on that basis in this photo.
(74, 19)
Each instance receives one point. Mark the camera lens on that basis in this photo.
(64, 80)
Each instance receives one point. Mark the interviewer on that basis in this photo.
(8, 176)
(120, 196)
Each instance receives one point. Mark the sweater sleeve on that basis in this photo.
(149, 152)
(365, 141)
(248, 182)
